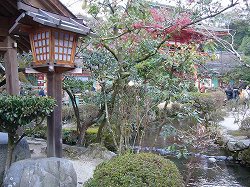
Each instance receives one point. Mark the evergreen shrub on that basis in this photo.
(140, 170)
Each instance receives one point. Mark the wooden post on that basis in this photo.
(54, 132)
(11, 67)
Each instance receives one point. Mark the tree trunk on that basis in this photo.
(77, 114)
(100, 131)
(81, 135)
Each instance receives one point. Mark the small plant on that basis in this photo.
(144, 169)
(67, 113)
(209, 105)
(245, 126)
(245, 156)
(18, 111)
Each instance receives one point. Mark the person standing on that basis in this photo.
(235, 92)
(229, 92)
(41, 92)
(22, 91)
(203, 88)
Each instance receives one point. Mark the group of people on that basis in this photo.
(235, 92)
(23, 92)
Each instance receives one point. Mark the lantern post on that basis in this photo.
(53, 53)
(53, 40)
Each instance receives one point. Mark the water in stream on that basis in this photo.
(212, 174)
(217, 174)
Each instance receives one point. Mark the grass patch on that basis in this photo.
(92, 130)
(238, 133)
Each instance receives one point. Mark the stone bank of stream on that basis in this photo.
(236, 146)
(228, 172)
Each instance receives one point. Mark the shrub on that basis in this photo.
(209, 104)
(245, 156)
(69, 136)
(245, 126)
(19, 111)
(144, 169)
(90, 136)
(108, 141)
(36, 131)
(67, 113)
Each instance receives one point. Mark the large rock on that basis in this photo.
(238, 145)
(21, 152)
(97, 151)
(243, 144)
(45, 172)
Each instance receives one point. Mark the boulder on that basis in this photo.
(225, 138)
(72, 151)
(97, 151)
(232, 146)
(238, 145)
(21, 152)
(243, 144)
(211, 160)
(52, 172)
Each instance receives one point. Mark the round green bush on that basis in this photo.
(136, 170)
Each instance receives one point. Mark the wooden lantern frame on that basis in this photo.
(53, 47)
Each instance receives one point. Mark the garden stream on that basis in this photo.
(215, 168)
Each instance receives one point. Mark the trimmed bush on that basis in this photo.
(144, 169)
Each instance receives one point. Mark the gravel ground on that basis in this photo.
(84, 168)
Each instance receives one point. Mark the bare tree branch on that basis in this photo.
(227, 45)
(212, 15)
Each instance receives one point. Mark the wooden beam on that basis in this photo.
(11, 66)
(5, 22)
(23, 47)
(24, 42)
(9, 8)
(54, 121)
(4, 32)
(63, 9)
(23, 6)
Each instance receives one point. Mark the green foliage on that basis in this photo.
(245, 45)
(18, 111)
(208, 104)
(242, 28)
(76, 85)
(144, 169)
(36, 132)
(69, 136)
(133, 44)
(91, 135)
(24, 59)
(92, 130)
(67, 113)
(245, 156)
(245, 126)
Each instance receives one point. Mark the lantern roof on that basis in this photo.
(16, 16)
(32, 16)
